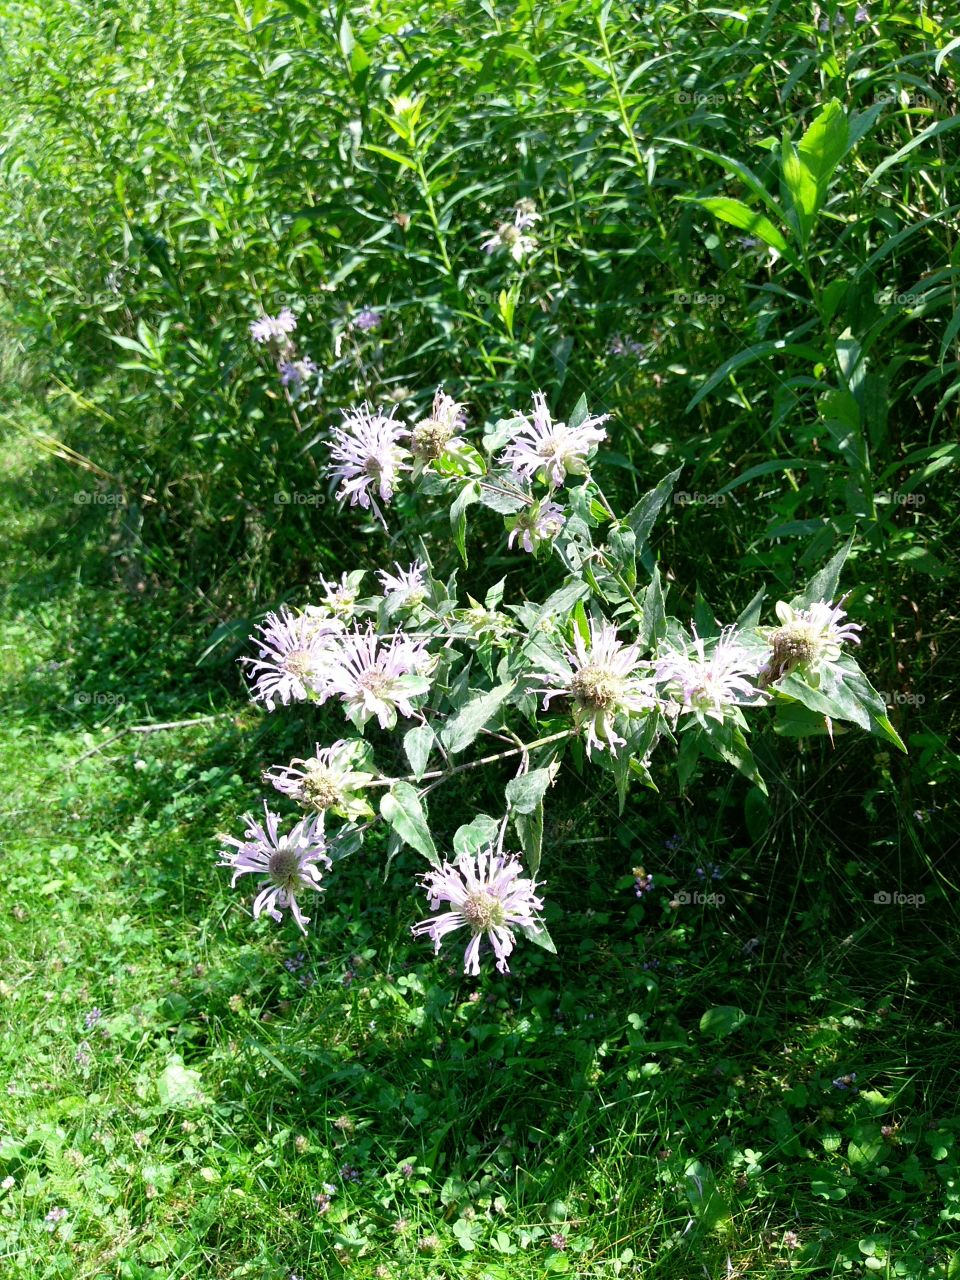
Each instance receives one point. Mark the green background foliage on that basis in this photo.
(660, 1091)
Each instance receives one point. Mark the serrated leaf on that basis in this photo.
(527, 791)
(463, 728)
(400, 807)
(641, 518)
(475, 835)
(823, 585)
(418, 743)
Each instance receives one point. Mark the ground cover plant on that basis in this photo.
(517, 446)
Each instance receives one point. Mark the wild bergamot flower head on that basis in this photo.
(807, 641)
(487, 894)
(605, 682)
(709, 684)
(295, 649)
(290, 863)
(552, 450)
(333, 778)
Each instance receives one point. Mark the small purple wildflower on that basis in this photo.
(542, 522)
(349, 1174)
(620, 346)
(843, 1083)
(294, 373)
(54, 1218)
(368, 319)
(273, 328)
(674, 843)
(862, 15)
(368, 457)
(643, 881)
(294, 963)
(82, 1056)
(91, 1018)
(294, 650)
(376, 675)
(712, 870)
(552, 450)
(558, 1241)
(407, 1170)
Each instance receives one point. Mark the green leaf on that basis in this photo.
(641, 518)
(722, 1020)
(529, 828)
(418, 743)
(395, 156)
(539, 934)
(823, 585)
(178, 1086)
(476, 835)
(469, 494)
(401, 809)
(653, 620)
(463, 728)
(527, 791)
(808, 167)
(738, 214)
(926, 135)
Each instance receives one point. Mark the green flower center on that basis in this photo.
(299, 662)
(793, 645)
(320, 788)
(483, 911)
(284, 865)
(596, 688)
(430, 438)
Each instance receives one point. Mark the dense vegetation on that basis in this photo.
(759, 1078)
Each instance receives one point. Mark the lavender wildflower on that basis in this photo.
(91, 1018)
(294, 651)
(437, 435)
(294, 373)
(289, 862)
(368, 319)
(509, 236)
(408, 584)
(329, 779)
(808, 641)
(558, 1241)
(54, 1218)
(540, 523)
(843, 1083)
(862, 15)
(643, 881)
(273, 329)
(552, 450)
(367, 455)
(374, 676)
(340, 598)
(525, 214)
(488, 894)
(82, 1055)
(707, 686)
(604, 682)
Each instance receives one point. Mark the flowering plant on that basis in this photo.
(596, 676)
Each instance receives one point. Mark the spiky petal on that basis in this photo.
(552, 450)
(487, 894)
(290, 863)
